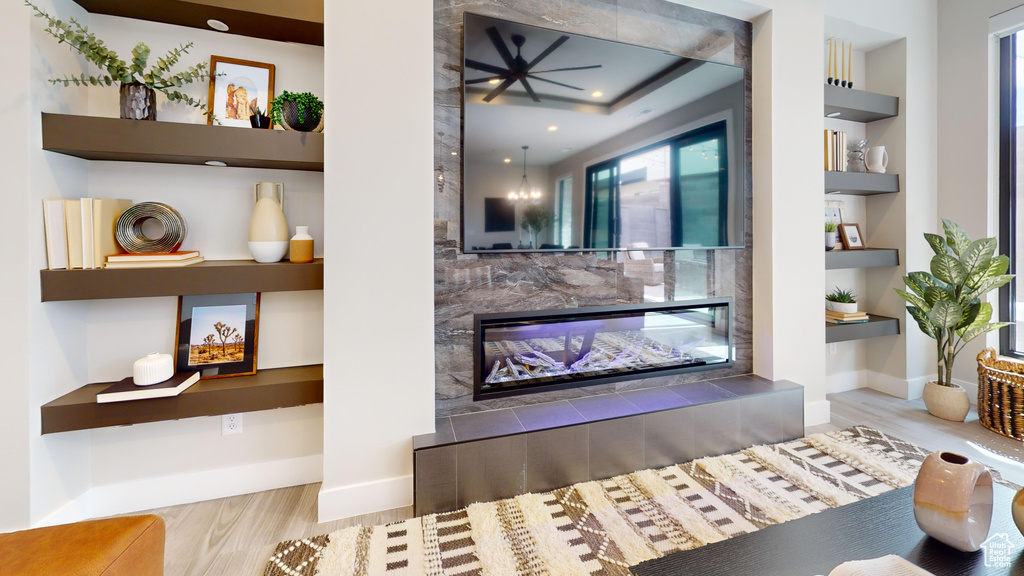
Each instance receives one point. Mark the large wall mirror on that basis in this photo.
(576, 143)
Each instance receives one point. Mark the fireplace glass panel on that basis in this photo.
(543, 350)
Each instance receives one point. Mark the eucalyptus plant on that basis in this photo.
(117, 71)
(946, 303)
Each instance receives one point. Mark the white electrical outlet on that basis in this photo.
(230, 424)
(832, 349)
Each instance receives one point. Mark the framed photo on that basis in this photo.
(243, 86)
(217, 334)
(852, 237)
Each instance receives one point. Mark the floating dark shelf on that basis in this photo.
(265, 390)
(861, 183)
(299, 21)
(875, 326)
(211, 277)
(859, 106)
(115, 139)
(866, 258)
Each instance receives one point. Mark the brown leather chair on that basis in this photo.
(129, 545)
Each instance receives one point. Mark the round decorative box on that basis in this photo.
(953, 500)
(153, 369)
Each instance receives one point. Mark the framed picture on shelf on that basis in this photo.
(241, 87)
(217, 334)
(852, 238)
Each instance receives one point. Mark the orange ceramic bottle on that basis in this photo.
(300, 248)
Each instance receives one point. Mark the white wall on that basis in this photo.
(16, 289)
(379, 323)
(968, 132)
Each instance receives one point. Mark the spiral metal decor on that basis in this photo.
(129, 229)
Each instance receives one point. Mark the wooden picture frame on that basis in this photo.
(852, 237)
(239, 79)
(217, 334)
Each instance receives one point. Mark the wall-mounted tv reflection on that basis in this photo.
(594, 145)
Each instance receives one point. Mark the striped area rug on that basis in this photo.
(604, 527)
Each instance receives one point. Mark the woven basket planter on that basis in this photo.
(290, 115)
(1001, 394)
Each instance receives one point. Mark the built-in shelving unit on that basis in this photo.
(875, 326)
(866, 258)
(265, 390)
(299, 21)
(211, 277)
(94, 138)
(861, 183)
(860, 106)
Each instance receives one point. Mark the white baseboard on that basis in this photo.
(172, 490)
(898, 387)
(845, 381)
(819, 412)
(355, 499)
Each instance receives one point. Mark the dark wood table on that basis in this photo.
(818, 543)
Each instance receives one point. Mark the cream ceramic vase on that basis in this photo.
(946, 402)
(268, 229)
(953, 500)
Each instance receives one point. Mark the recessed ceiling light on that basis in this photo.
(567, 149)
(217, 25)
(493, 81)
(218, 163)
(454, 153)
(552, 128)
(508, 160)
(597, 94)
(832, 115)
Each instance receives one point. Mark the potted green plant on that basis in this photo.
(841, 300)
(830, 234)
(138, 85)
(536, 218)
(299, 111)
(946, 303)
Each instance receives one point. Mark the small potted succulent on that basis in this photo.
(257, 118)
(946, 303)
(830, 234)
(302, 112)
(137, 84)
(839, 300)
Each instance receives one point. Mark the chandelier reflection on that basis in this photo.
(525, 193)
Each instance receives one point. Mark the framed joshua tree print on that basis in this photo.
(217, 334)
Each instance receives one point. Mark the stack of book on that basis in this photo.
(160, 260)
(835, 151)
(80, 232)
(845, 317)
(127, 389)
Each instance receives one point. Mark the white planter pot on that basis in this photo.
(830, 241)
(844, 307)
(947, 402)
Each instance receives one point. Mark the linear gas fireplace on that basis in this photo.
(524, 352)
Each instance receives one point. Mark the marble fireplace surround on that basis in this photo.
(465, 285)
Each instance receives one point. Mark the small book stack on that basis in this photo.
(160, 260)
(845, 317)
(835, 151)
(127, 389)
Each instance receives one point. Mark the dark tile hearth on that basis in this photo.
(499, 453)
(548, 415)
(603, 407)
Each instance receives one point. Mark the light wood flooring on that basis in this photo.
(236, 536)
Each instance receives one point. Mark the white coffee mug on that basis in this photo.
(877, 159)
